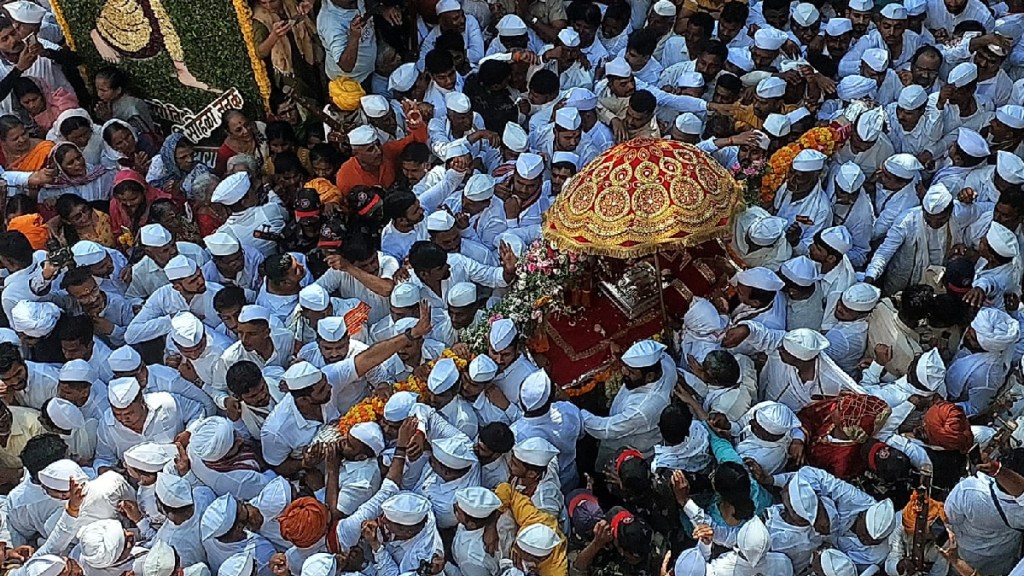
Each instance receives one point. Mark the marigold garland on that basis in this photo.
(824, 139)
(371, 408)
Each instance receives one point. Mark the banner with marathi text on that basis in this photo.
(191, 60)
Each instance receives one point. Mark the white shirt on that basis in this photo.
(163, 423)
(281, 356)
(286, 432)
(154, 320)
(247, 278)
(185, 537)
(359, 481)
(562, 426)
(31, 512)
(462, 269)
(147, 276)
(346, 286)
(469, 553)
(242, 224)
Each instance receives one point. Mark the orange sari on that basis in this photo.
(33, 160)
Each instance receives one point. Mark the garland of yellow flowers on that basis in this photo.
(824, 139)
(371, 408)
(63, 23)
(259, 71)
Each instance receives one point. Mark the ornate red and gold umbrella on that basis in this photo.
(643, 196)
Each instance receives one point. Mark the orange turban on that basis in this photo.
(935, 511)
(345, 93)
(328, 192)
(304, 522)
(946, 426)
(32, 226)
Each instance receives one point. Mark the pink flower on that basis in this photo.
(531, 268)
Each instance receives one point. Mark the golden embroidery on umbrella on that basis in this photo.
(582, 201)
(612, 203)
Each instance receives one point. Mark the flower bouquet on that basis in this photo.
(543, 277)
(750, 176)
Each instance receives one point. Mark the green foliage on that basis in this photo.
(213, 44)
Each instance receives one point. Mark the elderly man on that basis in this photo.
(803, 202)
(760, 238)
(914, 128)
(978, 371)
(373, 163)
(797, 369)
(134, 418)
(924, 237)
(895, 192)
(159, 247)
(187, 291)
(231, 264)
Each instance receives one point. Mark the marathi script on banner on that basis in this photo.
(197, 127)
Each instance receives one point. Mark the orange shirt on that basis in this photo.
(352, 173)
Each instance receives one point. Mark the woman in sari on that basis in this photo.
(42, 103)
(77, 220)
(207, 215)
(76, 176)
(21, 152)
(129, 205)
(242, 137)
(175, 170)
(76, 126)
(123, 149)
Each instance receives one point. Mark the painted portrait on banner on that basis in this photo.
(190, 60)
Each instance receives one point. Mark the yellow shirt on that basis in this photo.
(25, 425)
(525, 514)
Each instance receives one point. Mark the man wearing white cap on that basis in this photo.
(533, 470)
(231, 263)
(294, 422)
(961, 107)
(31, 18)
(967, 154)
(193, 350)
(913, 125)
(193, 401)
(942, 18)
(979, 370)
(529, 197)
(560, 423)
(444, 384)
(261, 339)
(135, 418)
(830, 250)
(489, 403)
(761, 298)
(183, 505)
(475, 511)
(35, 323)
(760, 238)
(105, 264)
(805, 296)
(769, 433)
(445, 232)
(1006, 128)
(484, 212)
(922, 385)
(924, 237)
(648, 379)
(142, 462)
(989, 182)
(891, 35)
(802, 200)
(752, 553)
(188, 291)
(218, 457)
(405, 303)
(854, 214)
(407, 517)
(239, 194)
(224, 532)
(452, 467)
(504, 342)
(452, 18)
(386, 116)
(997, 271)
(895, 192)
(847, 327)
(868, 145)
(159, 248)
(797, 369)
(796, 524)
(539, 544)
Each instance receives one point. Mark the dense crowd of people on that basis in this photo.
(257, 365)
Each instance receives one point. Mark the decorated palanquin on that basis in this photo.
(641, 207)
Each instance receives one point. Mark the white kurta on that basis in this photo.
(163, 423)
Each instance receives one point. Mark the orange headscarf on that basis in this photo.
(32, 226)
(935, 512)
(304, 522)
(946, 426)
